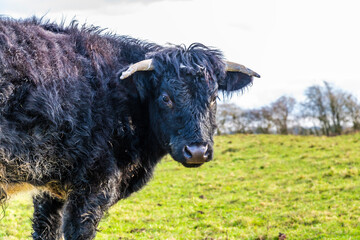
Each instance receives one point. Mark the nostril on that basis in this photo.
(187, 152)
(206, 150)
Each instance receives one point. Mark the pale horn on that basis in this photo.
(144, 65)
(235, 67)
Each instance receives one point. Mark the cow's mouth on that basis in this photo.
(192, 165)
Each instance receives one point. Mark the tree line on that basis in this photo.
(326, 110)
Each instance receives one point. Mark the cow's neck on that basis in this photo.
(134, 136)
(136, 148)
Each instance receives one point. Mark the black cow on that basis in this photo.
(85, 116)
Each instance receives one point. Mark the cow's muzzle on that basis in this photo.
(196, 154)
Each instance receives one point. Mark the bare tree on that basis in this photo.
(327, 105)
(352, 109)
(229, 119)
(336, 107)
(280, 112)
(232, 119)
(315, 107)
(260, 120)
(325, 111)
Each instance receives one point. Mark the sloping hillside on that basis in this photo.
(256, 187)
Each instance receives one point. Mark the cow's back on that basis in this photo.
(50, 82)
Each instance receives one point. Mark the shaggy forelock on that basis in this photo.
(197, 59)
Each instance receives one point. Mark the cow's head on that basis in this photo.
(181, 87)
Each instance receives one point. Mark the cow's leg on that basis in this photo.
(83, 212)
(47, 217)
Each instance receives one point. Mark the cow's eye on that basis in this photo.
(166, 99)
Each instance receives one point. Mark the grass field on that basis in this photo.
(256, 187)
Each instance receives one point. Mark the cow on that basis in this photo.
(86, 115)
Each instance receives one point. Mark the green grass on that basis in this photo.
(256, 187)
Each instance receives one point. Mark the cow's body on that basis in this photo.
(71, 128)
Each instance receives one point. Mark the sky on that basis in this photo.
(291, 44)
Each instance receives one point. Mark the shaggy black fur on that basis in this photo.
(71, 128)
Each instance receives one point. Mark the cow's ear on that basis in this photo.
(234, 81)
(237, 77)
(142, 82)
(138, 84)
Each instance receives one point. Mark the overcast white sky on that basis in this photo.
(291, 44)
